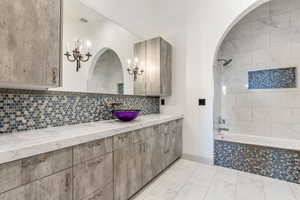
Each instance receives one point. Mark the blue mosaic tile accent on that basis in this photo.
(26, 111)
(272, 78)
(271, 162)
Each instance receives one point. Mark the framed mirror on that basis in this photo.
(102, 48)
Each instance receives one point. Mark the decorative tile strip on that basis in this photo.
(266, 161)
(272, 78)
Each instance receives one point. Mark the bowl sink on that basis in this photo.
(126, 115)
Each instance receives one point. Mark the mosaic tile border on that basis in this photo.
(22, 110)
(273, 78)
(266, 161)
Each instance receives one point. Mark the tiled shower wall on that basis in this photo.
(267, 38)
(22, 110)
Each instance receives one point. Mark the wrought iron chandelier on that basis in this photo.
(134, 69)
(77, 54)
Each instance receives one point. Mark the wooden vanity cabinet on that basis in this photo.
(141, 155)
(156, 54)
(114, 168)
(30, 35)
(47, 176)
(93, 170)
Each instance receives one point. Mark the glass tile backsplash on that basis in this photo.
(27, 110)
(272, 78)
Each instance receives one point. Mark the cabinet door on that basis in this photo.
(127, 171)
(166, 143)
(165, 68)
(27, 170)
(178, 148)
(54, 187)
(92, 175)
(153, 67)
(152, 162)
(140, 83)
(30, 42)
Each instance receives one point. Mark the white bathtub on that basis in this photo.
(290, 144)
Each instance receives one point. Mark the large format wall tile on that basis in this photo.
(25, 110)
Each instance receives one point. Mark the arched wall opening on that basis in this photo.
(253, 95)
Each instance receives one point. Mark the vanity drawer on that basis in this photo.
(24, 171)
(92, 176)
(54, 187)
(87, 151)
(125, 139)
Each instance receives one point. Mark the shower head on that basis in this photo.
(225, 61)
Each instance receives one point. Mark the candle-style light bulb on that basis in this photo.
(68, 47)
(129, 62)
(88, 45)
(136, 60)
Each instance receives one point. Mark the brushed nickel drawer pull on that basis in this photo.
(67, 183)
(95, 162)
(95, 144)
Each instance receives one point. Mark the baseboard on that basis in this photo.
(199, 159)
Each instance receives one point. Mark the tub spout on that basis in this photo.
(223, 129)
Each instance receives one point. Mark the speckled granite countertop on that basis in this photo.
(25, 144)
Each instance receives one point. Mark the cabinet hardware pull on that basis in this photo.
(67, 184)
(95, 162)
(54, 75)
(94, 144)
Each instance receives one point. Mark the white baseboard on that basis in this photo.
(199, 159)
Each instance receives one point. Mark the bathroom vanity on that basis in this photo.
(94, 161)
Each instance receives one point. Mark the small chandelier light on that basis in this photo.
(77, 54)
(133, 68)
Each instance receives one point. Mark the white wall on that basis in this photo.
(207, 21)
(195, 31)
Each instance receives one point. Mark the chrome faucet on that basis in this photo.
(107, 110)
(223, 129)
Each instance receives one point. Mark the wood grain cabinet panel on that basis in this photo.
(152, 159)
(87, 151)
(156, 53)
(93, 175)
(127, 171)
(54, 187)
(140, 83)
(24, 171)
(179, 140)
(30, 33)
(106, 193)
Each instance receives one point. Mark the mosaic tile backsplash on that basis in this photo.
(27, 110)
(271, 162)
(272, 78)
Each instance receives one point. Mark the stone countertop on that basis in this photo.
(29, 143)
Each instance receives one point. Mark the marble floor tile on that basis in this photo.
(249, 187)
(187, 180)
(277, 190)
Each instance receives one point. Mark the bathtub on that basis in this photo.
(272, 157)
(289, 144)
